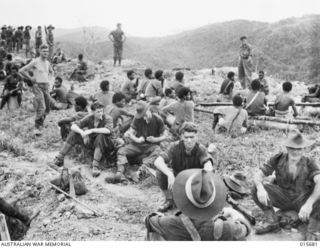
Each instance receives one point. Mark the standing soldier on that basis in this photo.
(245, 67)
(38, 38)
(50, 40)
(10, 39)
(41, 69)
(117, 37)
(18, 36)
(4, 36)
(27, 38)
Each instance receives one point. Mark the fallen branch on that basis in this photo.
(76, 200)
(215, 104)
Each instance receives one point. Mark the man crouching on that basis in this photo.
(296, 187)
(98, 135)
(181, 155)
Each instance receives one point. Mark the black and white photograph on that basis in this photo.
(159, 120)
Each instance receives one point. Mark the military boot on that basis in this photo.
(168, 203)
(271, 225)
(313, 230)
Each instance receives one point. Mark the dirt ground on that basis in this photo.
(24, 172)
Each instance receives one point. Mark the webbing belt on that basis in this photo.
(190, 227)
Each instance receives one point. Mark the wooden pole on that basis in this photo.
(203, 110)
(215, 104)
(271, 118)
(284, 120)
(76, 200)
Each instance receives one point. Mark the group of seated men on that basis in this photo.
(199, 195)
(233, 119)
(107, 128)
(107, 125)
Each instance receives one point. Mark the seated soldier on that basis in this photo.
(98, 136)
(129, 88)
(314, 94)
(116, 111)
(179, 82)
(255, 102)
(296, 187)
(58, 95)
(105, 96)
(232, 119)
(12, 87)
(169, 97)
(81, 111)
(183, 109)
(144, 84)
(181, 155)
(59, 56)
(145, 134)
(284, 101)
(264, 86)
(226, 90)
(81, 71)
(17, 222)
(154, 91)
(200, 195)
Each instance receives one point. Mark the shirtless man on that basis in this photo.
(41, 69)
(284, 101)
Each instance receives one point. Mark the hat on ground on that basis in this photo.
(236, 182)
(141, 109)
(199, 194)
(28, 27)
(297, 140)
(50, 26)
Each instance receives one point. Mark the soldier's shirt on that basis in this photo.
(303, 182)
(117, 37)
(245, 51)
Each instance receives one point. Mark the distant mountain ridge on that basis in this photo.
(289, 48)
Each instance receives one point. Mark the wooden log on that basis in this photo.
(76, 200)
(297, 121)
(272, 124)
(203, 110)
(4, 232)
(216, 104)
(284, 120)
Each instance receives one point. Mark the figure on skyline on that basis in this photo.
(117, 37)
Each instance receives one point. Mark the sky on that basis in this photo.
(149, 17)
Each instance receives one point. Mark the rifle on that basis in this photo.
(236, 205)
(4, 231)
(73, 73)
